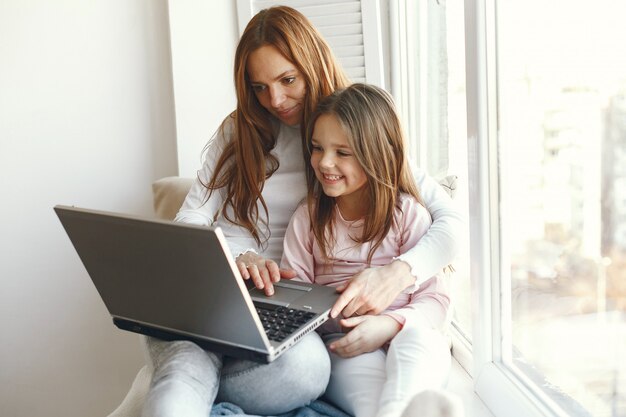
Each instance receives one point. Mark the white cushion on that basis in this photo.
(169, 194)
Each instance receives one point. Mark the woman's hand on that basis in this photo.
(368, 334)
(263, 272)
(372, 290)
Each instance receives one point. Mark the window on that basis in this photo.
(428, 83)
(457, 131)
(352, 28)
(547, 133)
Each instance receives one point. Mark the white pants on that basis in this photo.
(382, 383)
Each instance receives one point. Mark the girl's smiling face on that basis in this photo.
(336, 166)
(277, 83)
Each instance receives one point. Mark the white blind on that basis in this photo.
(351, 27)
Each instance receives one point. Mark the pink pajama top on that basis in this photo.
(301, 253)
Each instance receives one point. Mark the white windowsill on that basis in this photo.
(462, 385)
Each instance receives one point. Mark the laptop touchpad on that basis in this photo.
(283, 294)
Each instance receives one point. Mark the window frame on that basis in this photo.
(416, 37)
(502, 388)
(417, 47)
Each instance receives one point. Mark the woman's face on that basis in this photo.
(277, 84)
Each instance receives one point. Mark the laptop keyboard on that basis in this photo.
(280, 322)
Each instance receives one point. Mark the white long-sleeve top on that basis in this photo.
(286, 188)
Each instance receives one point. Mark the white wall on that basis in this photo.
(204, 37)
(86, 118)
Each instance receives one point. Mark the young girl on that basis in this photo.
(363, 210)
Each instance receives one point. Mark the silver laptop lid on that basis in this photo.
(158, 273)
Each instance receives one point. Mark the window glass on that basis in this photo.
(561, 81)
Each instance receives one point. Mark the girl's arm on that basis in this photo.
(374, 289)
(429, 306)
(431, 302)
(367, 334)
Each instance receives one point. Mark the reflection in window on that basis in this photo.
(562, 139)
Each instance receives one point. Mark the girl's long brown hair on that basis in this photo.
(368, 117)
(246, 162)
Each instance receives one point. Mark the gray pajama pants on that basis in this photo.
(187, 380)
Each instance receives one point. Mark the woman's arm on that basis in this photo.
(374, 289)
(429, 305)
(440, 245)
(297, 261)
(196, 209)
(199, 210)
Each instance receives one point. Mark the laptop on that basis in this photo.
(179, 281)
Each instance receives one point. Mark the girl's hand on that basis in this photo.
(372, 290)
(263, 272)
(368, 334)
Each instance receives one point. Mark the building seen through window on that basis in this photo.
(562, 142)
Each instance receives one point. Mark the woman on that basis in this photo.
(250, 185)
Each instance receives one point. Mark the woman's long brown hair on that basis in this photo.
(246, 162)
(368, 117)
